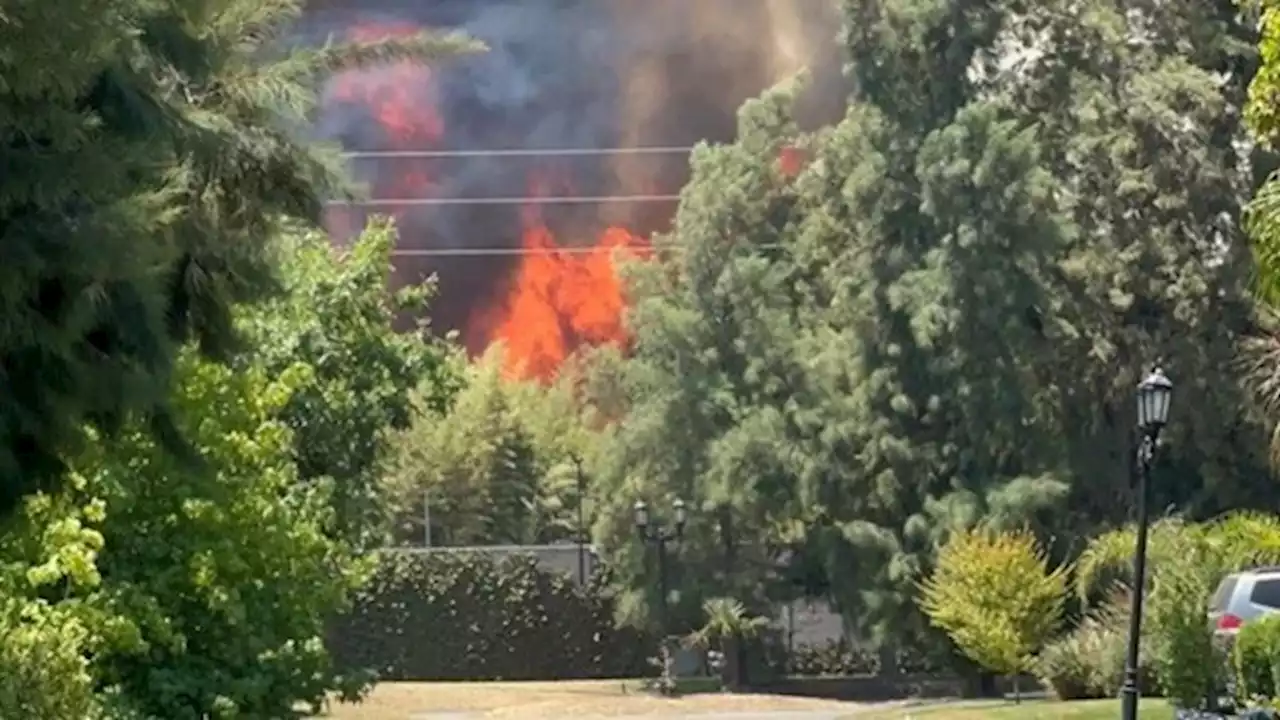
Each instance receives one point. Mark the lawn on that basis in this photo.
(1149, 709)
(566, 699)
(620, 698)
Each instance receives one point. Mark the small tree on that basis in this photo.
(995, 594)
(728, 625)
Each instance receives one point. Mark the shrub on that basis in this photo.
(224, 572)
(1256, 659)
(474, 615)
(1085, 664)
(1189, 664)
(1088, 662)
(831, 658)
(996, 596)
(44, 672)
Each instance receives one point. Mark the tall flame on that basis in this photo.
(560, 298)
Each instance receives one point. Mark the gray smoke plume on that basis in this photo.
(565, 74)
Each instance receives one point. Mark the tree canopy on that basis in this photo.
(940, 317)
(150, 152)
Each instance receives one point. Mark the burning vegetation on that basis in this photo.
(517, 265)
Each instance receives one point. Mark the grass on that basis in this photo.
(1148, 709)
(565, 699)
(621, 698)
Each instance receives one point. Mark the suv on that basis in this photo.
(1242, 597)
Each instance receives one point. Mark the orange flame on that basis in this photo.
(560, 298)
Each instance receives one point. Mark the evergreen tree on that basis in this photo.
(1139, 105)
(713, 380)
(499, 467)
(148, 158)
(941, 318)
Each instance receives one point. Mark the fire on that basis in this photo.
(400, 96)
(559, 297)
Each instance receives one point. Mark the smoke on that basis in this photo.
(562, 74)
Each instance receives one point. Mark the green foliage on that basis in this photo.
(339, 319)
(150, 156)
(1089, 661)
(831, 658)
(502, 466)
(472, 615)
(44, 672)
(1186, 562)
(221, 576)
(727, 618)
(49, 551)
(1256, 660)
(939, 319)
(996, 596)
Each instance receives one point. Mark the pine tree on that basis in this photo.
(149, 156)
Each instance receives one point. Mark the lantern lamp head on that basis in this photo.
(641, 515)
(682, 514)
(1154, 395)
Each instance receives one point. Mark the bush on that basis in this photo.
(222, 573)
(997, 597)
(476, 616)
(1088, 662)
(1256, 659)
(43, 669)
(832, 658)
(1190, 665)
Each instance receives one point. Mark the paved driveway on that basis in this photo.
(727, 715)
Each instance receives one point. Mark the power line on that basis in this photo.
(521, 152)
(522, 251)
(549, 200)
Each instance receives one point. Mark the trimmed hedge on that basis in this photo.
(1256, 659)
(483, 616)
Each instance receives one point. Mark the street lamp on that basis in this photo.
(1154, 395)
(654, 533)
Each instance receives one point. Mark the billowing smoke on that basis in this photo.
(559, 74)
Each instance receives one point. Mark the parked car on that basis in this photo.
(1243, 597)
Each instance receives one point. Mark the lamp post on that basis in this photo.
(1154, 394)
(654, 533)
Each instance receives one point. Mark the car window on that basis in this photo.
(1223, 594)
(1266, 592)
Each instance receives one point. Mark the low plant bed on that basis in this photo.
(1006, 710)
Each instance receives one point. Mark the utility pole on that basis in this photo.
(426, 518)
(582, 521)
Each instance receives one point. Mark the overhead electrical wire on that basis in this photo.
(583, 250)
(519, 152)
(531, 200)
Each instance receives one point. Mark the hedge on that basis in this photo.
(472, 615)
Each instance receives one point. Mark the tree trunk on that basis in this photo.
(888, 656)
(731, 672)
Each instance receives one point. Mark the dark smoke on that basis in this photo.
(561, 74)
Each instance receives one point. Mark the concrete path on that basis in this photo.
(726, 715)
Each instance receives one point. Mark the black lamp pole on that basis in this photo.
(1154, 394)
(654, 533)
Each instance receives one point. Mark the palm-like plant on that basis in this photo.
(1186, 561)
(728, 624)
